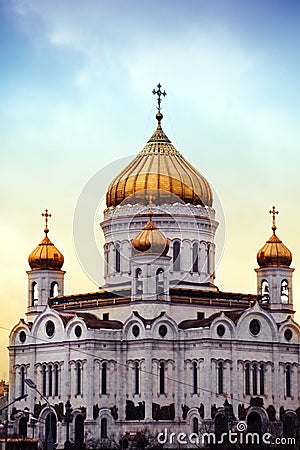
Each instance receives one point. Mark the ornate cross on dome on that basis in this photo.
(159, 93)
(273, 212)
(46, 215)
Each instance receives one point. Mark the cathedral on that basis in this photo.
(159, 348)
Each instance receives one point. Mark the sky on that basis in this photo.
(75, 98)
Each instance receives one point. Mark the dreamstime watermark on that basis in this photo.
(239, 435)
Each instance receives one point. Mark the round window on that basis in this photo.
(22, 336)
(254, 327)
(288, 334)
(50, 328)
(78, 331)
(221, 330)
(163, 330)
(135, 330)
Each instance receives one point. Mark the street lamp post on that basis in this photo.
(49, 441)
(68, 418)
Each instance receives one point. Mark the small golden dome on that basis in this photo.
(150, 240)
(274, 253)
(46, 255)
(161, 169)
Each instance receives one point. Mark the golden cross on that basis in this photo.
(159, 93)
(273, 212)
(46, 215)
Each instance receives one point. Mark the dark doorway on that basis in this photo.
(254, 431)
(50, 419)
(79, 431)
(289, 425)
(254, 424)
(221, 425)
(23, 427)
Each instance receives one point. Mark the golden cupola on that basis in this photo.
(150, 240)
(46, 256)
(274, 253)
(161, 170)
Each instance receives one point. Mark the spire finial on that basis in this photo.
(159, 93)
(150, 198)
(46, 215)
(273, 212)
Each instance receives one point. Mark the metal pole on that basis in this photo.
(6, 421)
(49, 438)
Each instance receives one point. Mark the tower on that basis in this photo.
(150, 263)
(182, 206)
(45, 279)
(274, 275)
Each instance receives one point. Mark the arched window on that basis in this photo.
(22, 390)
(160, 281)
(195, 378)
(56, 380)
(138, 282)
(78, 378)
(262, 379)
(247, 379)
(103, 426)
(265, 291)
(44, 375)
(104, 379)
(284, 292)
(176, 256)
(117, 258)
(288, 381)
(195, 257)
(34, 293)
(220, 378)
(162, 378)
(136, 378)
(54, 289)
(254, 379)
(50, 373)
(195, 425)
(208, 258)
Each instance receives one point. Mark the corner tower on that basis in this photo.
(274, 275)
(45, 279)
(182, 205)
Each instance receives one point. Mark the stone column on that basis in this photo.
(121, 380)
(148, 380)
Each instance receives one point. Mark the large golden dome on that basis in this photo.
(160, 169)
(274, 253)
(46, 256)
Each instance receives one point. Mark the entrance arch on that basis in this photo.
(289, 425)
(79, 431)
(50, 419)
(254, 423)
(23, 427)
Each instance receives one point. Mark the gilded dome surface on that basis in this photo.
(150, 240)
(46, 256)
(161, 169)
(274, 253)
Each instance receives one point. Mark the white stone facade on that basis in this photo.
(160, 346)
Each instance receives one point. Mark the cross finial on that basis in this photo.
(159, 93)
(273, 213)
(46, 215)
